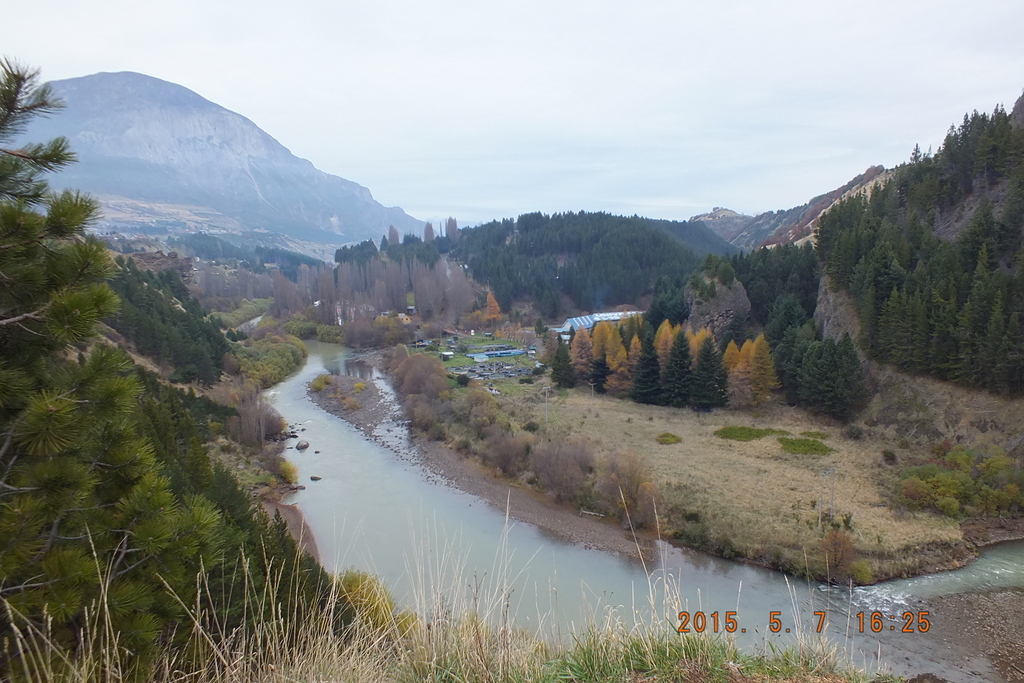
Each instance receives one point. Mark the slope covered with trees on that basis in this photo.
(166, 323)
(109, 506)
(595, 259)
(934, 258)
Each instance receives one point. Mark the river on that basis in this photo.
(377, 510)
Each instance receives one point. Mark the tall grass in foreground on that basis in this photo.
(454, 635)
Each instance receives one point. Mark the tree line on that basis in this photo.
(596, 259)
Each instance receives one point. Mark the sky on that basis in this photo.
(483, 109)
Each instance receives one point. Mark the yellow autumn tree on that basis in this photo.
(581, 353)
(635, 349)
(696, 341)
(732, 356)
(664, 338)
(739, 374)
(493, 309)
(603, 332)
(763, 380)
(746, 352)
(619, 381)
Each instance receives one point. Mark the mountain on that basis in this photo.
(159, 155)
(786, 225)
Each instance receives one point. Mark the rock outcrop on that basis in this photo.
(718, 311)
(1017, 115)
(835, 313)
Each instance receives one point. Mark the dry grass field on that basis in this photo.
(753, 499)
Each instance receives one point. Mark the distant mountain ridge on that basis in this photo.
(784, 226)
(156, 152)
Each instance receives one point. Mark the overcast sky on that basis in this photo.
(483, 109)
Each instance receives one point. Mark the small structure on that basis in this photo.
(447, 355)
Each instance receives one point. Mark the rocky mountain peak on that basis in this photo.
(171, 155)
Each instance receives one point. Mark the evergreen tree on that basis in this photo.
(599, 374)
(678, 375)
(646, 380)
(710, 380)
(561, 367)
(85, 508)
(737, 330)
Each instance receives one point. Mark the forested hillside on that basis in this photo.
(210, 247)
(595, 259)
(110, 507)
(934, 258)
(166, 323)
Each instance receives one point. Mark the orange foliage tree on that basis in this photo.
(493, 309)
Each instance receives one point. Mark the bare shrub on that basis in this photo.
(839, 553)
(230, 364)
(395, 357)
(420, 374)
(562, 467)
(481, 410)
(421, 412)
(625, 487)
(505, 451)
(256, 419)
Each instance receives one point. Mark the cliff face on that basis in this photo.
(718, 311)
(156, 147)
(836, 315)
(1017, 115)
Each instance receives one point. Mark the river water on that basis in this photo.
(375, 509)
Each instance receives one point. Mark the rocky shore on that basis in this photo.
(990, 625)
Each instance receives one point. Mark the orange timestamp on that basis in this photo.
(728, 622)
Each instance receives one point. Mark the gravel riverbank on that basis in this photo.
(379, 417)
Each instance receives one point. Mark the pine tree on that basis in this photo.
(710, 381)
(763, 380)
(561, 368)
(849, 391)
(85, 508)
(599, 373)
(646, 381)
(675, 384)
